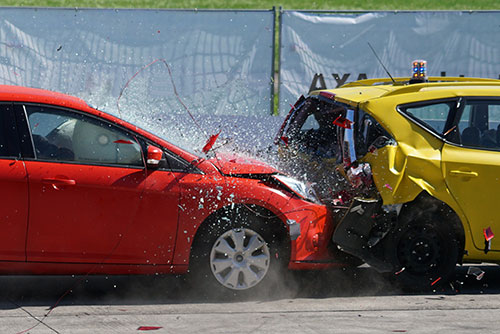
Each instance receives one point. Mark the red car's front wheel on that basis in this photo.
(240, 258)
(237, 252)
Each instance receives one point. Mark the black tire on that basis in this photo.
(244, 224)
(425, 246)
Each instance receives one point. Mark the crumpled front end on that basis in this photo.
(363, 173)
(336, 146)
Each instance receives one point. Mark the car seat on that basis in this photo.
(96, 143)
(489, 138)
(471, 136)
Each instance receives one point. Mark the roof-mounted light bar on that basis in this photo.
(419, 74)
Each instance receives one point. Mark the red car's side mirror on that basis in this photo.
(154, 156)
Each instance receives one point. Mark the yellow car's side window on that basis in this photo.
(479, 124)
(433, 115)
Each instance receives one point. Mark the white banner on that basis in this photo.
(221, 64)
(221, 61)
(335, 45)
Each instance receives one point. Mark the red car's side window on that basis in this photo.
(65, 136)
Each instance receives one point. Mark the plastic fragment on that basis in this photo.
(210, 143)
(373, 149)
(451, 129)
(337, 201)
(399, 272)
(360, 175)
(388, 186)
(342, 122)
(149, 328)
(359, 209)
(439, 278)
(488, 234)
(475, 271)
(122, 141)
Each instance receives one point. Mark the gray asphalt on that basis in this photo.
(359, 301)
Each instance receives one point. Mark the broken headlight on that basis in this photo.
(297, 187)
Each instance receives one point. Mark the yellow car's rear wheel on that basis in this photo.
(425, 247)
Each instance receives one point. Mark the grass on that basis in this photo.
(268, 4)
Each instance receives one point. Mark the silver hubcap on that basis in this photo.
(239, 259)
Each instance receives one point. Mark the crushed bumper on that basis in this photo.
(364, 225)
(311, 230)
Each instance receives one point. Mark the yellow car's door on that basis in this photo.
(471, 167)
(473, 177)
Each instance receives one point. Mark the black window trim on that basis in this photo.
(188, 167)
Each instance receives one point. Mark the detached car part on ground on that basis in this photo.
(84, 192)
(411, 171)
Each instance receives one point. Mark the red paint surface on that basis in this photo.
(230, 164)
(77, 218)
(13, 209)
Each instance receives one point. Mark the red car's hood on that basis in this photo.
(231, 164)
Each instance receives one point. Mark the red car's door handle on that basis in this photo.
(57, 183)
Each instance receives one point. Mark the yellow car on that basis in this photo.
(410, 169)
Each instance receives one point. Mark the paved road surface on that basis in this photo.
(328, 302)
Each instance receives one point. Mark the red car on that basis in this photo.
(85, 192)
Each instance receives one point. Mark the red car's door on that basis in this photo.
(13, 190)
(86, 183)
(159, 211)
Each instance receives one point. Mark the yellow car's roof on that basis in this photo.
(361, 91)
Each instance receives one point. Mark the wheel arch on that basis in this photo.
(424, 199)
(278, 230)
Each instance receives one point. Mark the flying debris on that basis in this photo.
(210, 142)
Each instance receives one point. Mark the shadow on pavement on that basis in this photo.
(144, 290)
